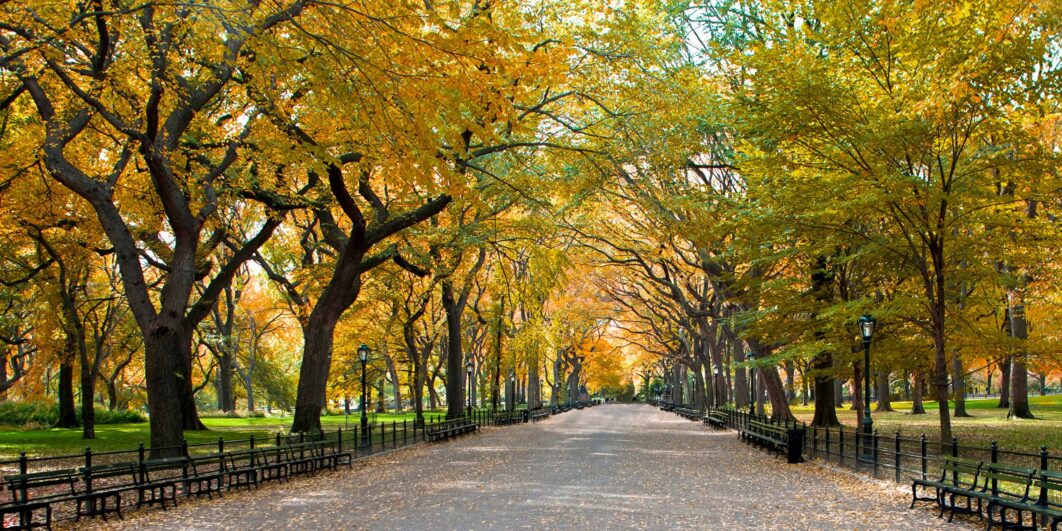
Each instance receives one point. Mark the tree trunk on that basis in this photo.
(189, 411)
(455, 386)
(825, 392)
(958, 385)
(857, 393)
(790, 381)
(390, 362)
(940, 373)
(226, 400)
(112, 395)
(313, 374)
(534, 387)
(917, 407)
(163, 354)
(1019, 375)
(699, 397)
(804, 390)
(88, 393)
(67, 415)
(884, 400)
(740, 379)
(771, 383)
(1004, 383)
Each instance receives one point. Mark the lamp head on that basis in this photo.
(866, 327)
(363, 352)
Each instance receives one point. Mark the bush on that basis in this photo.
(44, 414)
(118, 416)
(218, 414)
(22, 413)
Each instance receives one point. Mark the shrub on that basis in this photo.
(118, 416)
(238, 414)
(21, 413)
(35, 414)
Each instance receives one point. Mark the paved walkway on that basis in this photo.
(607, 467)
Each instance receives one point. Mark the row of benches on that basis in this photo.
(450, 428)
(689, 413)
(995, 488)
(97, 490)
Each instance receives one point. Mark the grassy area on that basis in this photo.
(985, 424)
(54, 441)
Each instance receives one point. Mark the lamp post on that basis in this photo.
(866, 329)
(752, 384)
(468, 391)
(511, 395)
(715, 385)
(363, 353)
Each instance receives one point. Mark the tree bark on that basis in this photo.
(958, 385)
(313, 374)
(455, 387)
(857, 392)
(884, 400)
(1019, 374)
(825, 387)
(67, 415)
(917, 406)
(226, 400)
(1004, 382)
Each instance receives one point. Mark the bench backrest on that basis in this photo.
(202, 463)
(164, 467)
(1051, 484)
(767, 427)
(1008, 481)
(51, 483)
(961, 471)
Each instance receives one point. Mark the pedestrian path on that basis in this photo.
(610, 467)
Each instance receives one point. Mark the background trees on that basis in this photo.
(214, 206)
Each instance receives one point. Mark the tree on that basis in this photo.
(131, 126)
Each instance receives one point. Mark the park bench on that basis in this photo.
(326, 455)
(157, 481)
(998, 483)
(509, 417)
(689, 413)
(716, 417)
(35, 492)
(1048, 503)
(204, 474)
(450, 428)
(242, 468)
(115, 477)
(537, 414)
(1009, 489)
(272, 464)
(300, 459)
(956, 474)
(781, 438)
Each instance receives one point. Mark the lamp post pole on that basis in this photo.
(363, 353)
(866, 329)
(468, 391)
(511, 393)
(715, 385)
(752, 385)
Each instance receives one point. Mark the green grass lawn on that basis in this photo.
(112, 437)
(985, 424)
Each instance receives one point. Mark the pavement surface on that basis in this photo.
(607, 467)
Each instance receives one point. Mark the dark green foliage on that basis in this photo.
(41, 413)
